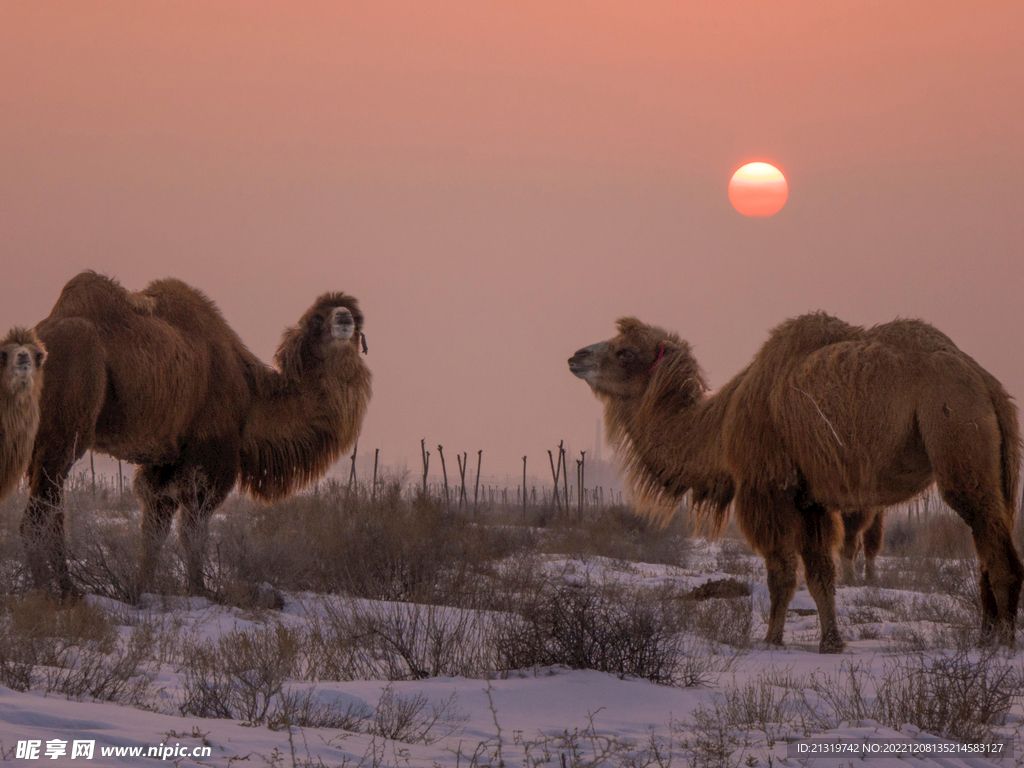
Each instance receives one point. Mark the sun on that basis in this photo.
(758, 189)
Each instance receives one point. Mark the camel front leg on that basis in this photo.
(822, 529)
(42, 531)
(152, 485)
(781, 566)
(42, 526)
(199, 496)
(195, 532)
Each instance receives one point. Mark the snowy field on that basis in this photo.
(338, 680)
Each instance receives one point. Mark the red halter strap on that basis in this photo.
(661, 354)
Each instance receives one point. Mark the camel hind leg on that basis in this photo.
(966, 458)
(1001, 572)
(853, 526)
(873, 536)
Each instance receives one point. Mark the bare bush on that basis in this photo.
(382, 546)
(73, 650)
(951, 695)
(620, 534)
(728, 621)
(398, 641)
(240, 676)
(304, 709)
(414, 719)
(605, 627)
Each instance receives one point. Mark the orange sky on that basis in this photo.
(497, 183)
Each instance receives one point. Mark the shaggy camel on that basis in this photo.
(827, 418)
(863, 529)
(157, 378)
(21, 381)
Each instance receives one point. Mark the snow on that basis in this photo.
(528, 716)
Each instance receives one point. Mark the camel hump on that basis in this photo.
(800, 336)
(90, 294)
(910, 334)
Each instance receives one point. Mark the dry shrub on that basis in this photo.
(414, 719)
(618, 533)
(73, 650)
(244, 675)
(725, 621)
(959, 695)
(609, 628)
(735, 557)
(605, 627)
(359, 639)
(384, 547)
(304, 709)
(241, 675)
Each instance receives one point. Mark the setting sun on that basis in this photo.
(758, 189)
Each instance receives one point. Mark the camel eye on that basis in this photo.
(39, 358)
(3, 359)
(625, 356)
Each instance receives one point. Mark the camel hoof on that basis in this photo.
(831, 645)
(68, 593)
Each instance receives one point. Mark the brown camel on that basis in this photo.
(863, 530)
(21, 381)
(827, 418)
(157, 378)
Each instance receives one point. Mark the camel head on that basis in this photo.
(21, 361)
(623, 366)
(331, 328)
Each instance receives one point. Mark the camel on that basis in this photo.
(21, 382)
(158, 379)
(828, 418)
(863, 530)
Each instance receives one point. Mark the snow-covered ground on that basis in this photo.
(536, 716)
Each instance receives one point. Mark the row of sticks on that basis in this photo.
(559, 472)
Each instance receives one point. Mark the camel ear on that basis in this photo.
(670, 347)
(627, 324)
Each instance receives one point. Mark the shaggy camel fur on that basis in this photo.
(21, 382)
(828, 418)
(157, 378)
(863, 529)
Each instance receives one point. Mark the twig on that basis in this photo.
(822, 416)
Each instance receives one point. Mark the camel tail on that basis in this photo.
(1009, 427)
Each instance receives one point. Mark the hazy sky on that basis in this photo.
(498, 182)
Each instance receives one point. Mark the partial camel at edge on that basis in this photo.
(21, 382)
(828, 419)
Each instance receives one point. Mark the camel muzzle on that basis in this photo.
(23, 365)
(343, 326)
(585, 361)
